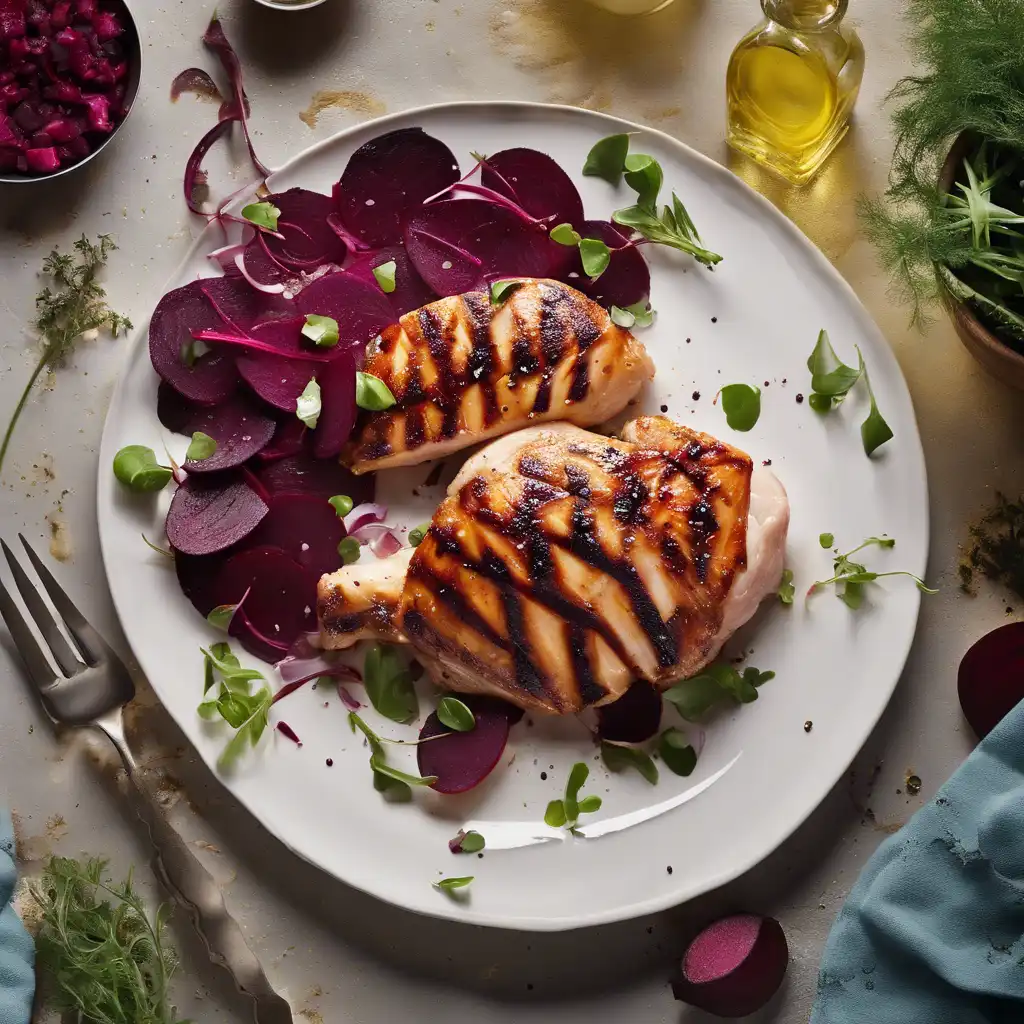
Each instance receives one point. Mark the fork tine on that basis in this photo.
(38, 667)
(91, 643)
(65, 657)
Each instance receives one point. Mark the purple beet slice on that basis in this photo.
(238, 425)
(361, 309)
(536, 182)
(462, 760)
(306, 528)
(242, 307)
(411, 291)
(389, 176)
(338, 405)
(212, 377)
(634, 717)
(197, 577)
(309, 241)
(260, 267)
(734, 966)
(281, 601)
(255, 642)
(628, 277)
(209, 515)
(457, 244)
(990, 682)
(278, 381)
(318, 478)
(289, 439)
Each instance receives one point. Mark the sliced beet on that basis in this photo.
(279, 382)
(411, 291)
(338, 405)
(457, 244)
(209, 515)
(990, 682)
(734, 966)
(242, 307)
(634, 717)
(388, 177)
(536, 182)
(197, 577)
(462, 760)
(320, 478)
(289, 439)
(281, 599)
(212, 377)
(238, 425)
(628, 277)
(362, 310)
(306, 527)
(308, 240)
(260, 268)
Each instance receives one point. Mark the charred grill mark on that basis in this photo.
(415, 427)
(586, 332)
(703, 526)
(542, 400)
(590, 690)
(580, 379)
(375, 450)
(449, 594)
(554, 343)
(585, 545)
(479, 314)
(630, 499)
(577, 482)
(533, 467)
(448, 387)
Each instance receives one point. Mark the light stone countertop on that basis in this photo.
(341, 956)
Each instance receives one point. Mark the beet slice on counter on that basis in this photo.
(991, 678)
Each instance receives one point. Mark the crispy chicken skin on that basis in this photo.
(563, 565)
(464, 370)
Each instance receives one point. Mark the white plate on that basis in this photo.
(760, 773)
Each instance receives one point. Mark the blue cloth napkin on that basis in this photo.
(933, 932)
(17, 954)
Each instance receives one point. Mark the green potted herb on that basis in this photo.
(950, 227)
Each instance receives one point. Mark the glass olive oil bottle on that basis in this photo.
(791, 86)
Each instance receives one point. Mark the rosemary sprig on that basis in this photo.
(102, 959)
(74, 304)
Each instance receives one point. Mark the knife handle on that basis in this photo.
(195, 889)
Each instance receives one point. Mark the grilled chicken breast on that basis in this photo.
(564, 565)
(464, 370)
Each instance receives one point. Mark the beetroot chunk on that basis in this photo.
(411, 291)
(212, 377)
(362, 310)
(279, 382)
(388, 177)
(309, 241)
(628, 277)
(320, 478)
(634, 717)
(197, 576)
(990, 682)
(242, 307)
(734, 966)
(306, 528)
(338, 412)
(207, 516)
(462, 760)
(536, 182)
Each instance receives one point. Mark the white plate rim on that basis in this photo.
(682, 893)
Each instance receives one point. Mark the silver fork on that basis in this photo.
(91, 689)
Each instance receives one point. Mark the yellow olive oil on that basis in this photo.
(791, 86)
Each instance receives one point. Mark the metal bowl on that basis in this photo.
(133, 47)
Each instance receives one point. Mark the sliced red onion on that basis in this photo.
(224, 257)
(267, 289)
(361, 515)
(347, 699)
(379, 538)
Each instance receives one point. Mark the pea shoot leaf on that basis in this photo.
(565, 234)
(202, 446)
(389, 684)
(595, 256)
(874, 431)
(677, 754)
(741, 404)
(644, 176)
(826, 540)
(829, 375)
(693, 698)
(451, 712)
(136, 467)
(449, 885)
(501, 290)
(385, 276)
(850, 577)
(786, 590)
(566, 811)
(607, 158)
(619, 758)
(321, 330)
(672, 227)
(372, 393)
(467, 842)
(263, 215)
(307, 405)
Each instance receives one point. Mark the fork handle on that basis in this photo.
(194, 887)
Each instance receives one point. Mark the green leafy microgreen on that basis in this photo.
(342, 504)
(467, 842)
(554, 815)
(394, 791)
(263, 215)
(672, 227)
(874, 431)
(820, 403)
(677, 754)
(221, 616)
(643, 315)
(450, 885)
(389, 684)
(644, 176)
(372, 393)
(136, 467)
(622, 317)
(595, 256)
(451, 712)
(156, 547)
(565, 234)
(568, 810)
(350, 550)
(694, 698)
(786, 589)
(826, 540)
(202, 446)
(589, 804)
(233, 701)
(394, 785)
(385, 276)
(849, 577)
(381, 767)
(501, 290)
(418, 533)
(100, 956)
(307, 405)
(376, 743)
(607, 158)
(618, 758)
(741, 404)
(321, 330)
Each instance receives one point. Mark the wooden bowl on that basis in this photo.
(993, 354)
